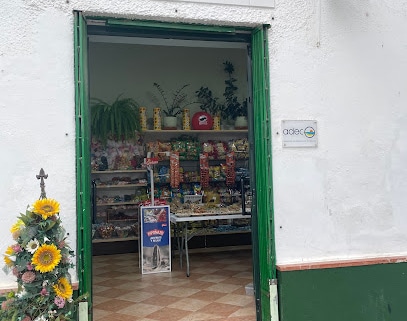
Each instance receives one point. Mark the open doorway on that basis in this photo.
(197, 49)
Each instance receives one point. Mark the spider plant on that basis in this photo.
(119, 120)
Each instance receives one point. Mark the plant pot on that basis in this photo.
(170, 122)
(241, 122)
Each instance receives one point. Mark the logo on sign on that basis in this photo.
(309, 132)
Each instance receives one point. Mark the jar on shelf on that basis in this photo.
(216, 122)
(143, 118)
(157, 118)
(186, 120)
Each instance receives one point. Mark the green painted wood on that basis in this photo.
(364, 293)
(83, 185)
(264, 253)
(266, 269)
(170, 26)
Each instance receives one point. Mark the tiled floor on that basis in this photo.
(215, 289)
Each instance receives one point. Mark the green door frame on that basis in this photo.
(264, 268)
(83, 182)
(263, 220)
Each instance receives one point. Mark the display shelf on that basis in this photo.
(121, 186)
(115, 239)
(180, 131)
(129, 171)
(123, 212)
(117, 203)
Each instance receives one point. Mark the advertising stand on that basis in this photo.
(155, 239)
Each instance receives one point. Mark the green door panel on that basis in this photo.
(83, 195)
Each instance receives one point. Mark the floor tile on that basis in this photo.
(215, 289)
(168, 314)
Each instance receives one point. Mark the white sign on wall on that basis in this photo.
(299, 133)
(247, 3)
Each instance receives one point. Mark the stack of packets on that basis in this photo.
(189, 148)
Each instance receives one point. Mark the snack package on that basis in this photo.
(174, 170)
(230, 165)
(204, 168)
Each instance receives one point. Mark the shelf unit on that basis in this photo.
(115, 203)
(110, 195)
(193, 164)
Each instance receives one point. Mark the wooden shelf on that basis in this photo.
(122, 220)
(120, 171)
(115, 239)
(180, 131)
(117, 203)
(121, 186)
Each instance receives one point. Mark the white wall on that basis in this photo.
(345, 198)
(342, 199)
(37, 103)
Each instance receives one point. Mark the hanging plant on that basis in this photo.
(119, 120)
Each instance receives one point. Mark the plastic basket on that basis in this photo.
(193, 199)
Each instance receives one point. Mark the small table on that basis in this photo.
(185, 219)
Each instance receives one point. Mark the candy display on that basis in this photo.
(230, 169)
(117, 155)
(196, 174)
(204, 168)
(187, 148)
(174, 172)
(215, 149)
(122, 231)
(240, 147)
(105, 231)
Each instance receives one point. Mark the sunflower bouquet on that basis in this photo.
(40, 259)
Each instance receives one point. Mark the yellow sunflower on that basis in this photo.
(46, 207)
(46, 258)
(9, 251)
(8, 261)
(17, 226)
(63, 288)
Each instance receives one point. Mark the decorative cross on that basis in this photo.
(42, 176)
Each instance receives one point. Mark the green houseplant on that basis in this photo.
(172, 107)
(233, 107)
(208, 103)
(118, 120)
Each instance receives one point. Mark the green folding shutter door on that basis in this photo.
(83, 196)
(263, 227)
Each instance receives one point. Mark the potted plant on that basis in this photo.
(118, 120)
(231, 108)
(174, 106)
(209, 103)
(234, 109)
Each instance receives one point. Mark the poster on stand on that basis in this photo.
(155, 253)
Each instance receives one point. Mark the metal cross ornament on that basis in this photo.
(42, 176)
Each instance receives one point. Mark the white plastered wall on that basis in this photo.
(342, 199)
(343, 64)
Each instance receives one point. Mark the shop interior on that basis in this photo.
(196, 169)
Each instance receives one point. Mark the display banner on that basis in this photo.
(155, 235)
